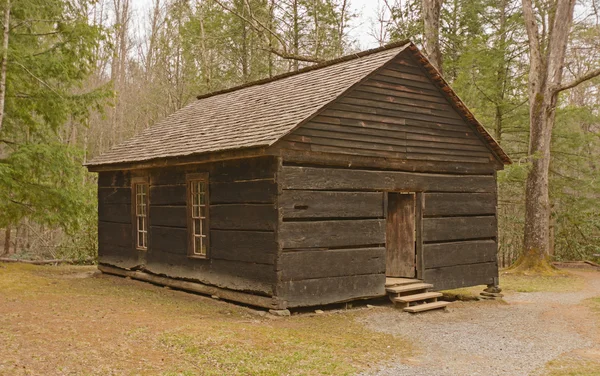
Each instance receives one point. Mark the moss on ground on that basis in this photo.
(65, 320)
(560, 282)
(572, 366)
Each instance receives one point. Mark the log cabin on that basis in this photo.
(308, 188)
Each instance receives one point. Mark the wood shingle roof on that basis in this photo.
(260, 113)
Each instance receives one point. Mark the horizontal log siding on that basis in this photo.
(397, 114)
(115, 241)
(460, 236)
(243, 217)
(332, 230)
(332, 243)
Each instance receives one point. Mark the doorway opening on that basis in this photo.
(401, 235)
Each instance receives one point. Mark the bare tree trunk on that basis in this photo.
(545, 75)
(296, 37)
(431, 21)
(6, 241)
(5, 34)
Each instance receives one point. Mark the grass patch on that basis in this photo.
(78, 324)
(464, 294)
(570, 366)
(563, 282)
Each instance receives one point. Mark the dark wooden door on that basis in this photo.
(400, 235)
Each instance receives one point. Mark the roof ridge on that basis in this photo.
(323, 64)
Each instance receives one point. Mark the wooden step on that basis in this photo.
(407, 288)
(396, 281)
(427, 307)
(417, 297)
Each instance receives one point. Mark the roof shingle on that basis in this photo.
(253, 115)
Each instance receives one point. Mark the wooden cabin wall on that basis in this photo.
(115, 231)
(401, 117)
(242, 220)
(332, 230)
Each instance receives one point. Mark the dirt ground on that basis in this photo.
(71, 321)
(550, 329)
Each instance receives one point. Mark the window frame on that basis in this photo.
(205, 221)
(135, 182)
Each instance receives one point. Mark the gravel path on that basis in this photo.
(491, 338)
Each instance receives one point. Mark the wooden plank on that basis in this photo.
(114, 196)
(455, 253)
(345, 134)
(398, 97)
(119, 256)
(119, 213)
(331, 263)
(170, 216)
(322, 204)
(448, 158)
(441, 147)
(385, 116)
(400, 235)
(449, 116)
(226, 294)
(243, 217)
(168, 239)
(219, 171)
(426, 307)
(408, 288)
(324, 234)
(418, 297)
(458, 228)
(390, 281)
(295, 177)
(410, 76)
(245, 192)
(372, 162)
(454, 204)
(343, 143)
(356, 130)
(316, 146)
(112, 179)
(388, 88)
(319, 291)
(118, 234)
(174, 195)
(469, 139)
(235, 275)
(407, 84)
(438, 149)
(419, 208)
(247, 246)
(243, 169)
(404, 112)
(462, 275)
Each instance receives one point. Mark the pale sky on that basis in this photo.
(359, 30)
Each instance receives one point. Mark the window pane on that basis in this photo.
(140, 239)
(197, 227)
(202, 198)
(145, 238)
(198, 245)
(202, 211)
(195, 211)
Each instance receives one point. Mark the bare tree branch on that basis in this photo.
(260, 28)
(592, 74)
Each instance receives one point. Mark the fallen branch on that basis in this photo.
(47, 262)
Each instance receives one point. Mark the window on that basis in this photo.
(140, 190)
(198, 214)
